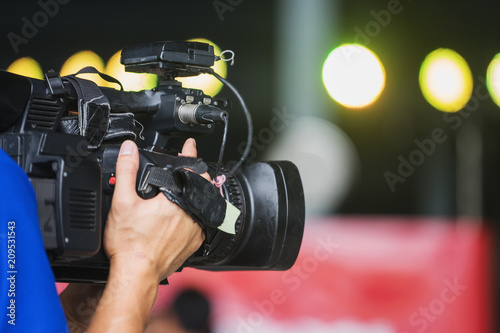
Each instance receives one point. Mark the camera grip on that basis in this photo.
(179, 180)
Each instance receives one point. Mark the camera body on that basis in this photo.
(66, 133)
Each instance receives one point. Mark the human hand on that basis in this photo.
(155, 234)
(145, 241)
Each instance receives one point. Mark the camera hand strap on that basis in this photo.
(190, 191)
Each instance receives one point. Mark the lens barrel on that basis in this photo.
(270, 228)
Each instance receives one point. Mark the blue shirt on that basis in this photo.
(28, 296)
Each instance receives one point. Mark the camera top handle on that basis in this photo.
(180, 59)
(169, 59)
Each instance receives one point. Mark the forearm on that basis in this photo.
(79, 302)
(127, 300)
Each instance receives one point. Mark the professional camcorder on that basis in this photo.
(65, 132)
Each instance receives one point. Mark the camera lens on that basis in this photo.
(270, 227)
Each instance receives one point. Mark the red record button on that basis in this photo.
(112, 180)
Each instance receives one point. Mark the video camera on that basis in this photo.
(65, 132)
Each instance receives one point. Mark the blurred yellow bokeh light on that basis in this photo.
(493, 79)
(26, 66)
(353, 75)
(206, 82)
(130, 81)
(446, 80)
(83, 59)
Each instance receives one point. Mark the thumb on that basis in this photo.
(189, 148)
(126, 168)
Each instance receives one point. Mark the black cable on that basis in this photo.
(248, 119)
(222, 146)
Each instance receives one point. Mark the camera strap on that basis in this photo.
(190, 191)
(121, 127)
(93, 110)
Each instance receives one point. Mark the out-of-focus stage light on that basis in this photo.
(353, 75)
(130, 81)
(83, 59)
(446, 80)
(325, 156)
(493, 79)
(206, 82)
(26, 66)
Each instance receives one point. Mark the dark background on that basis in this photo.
(380, 132)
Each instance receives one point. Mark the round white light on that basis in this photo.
(353, 75)
(493, 79)
(446, 80)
